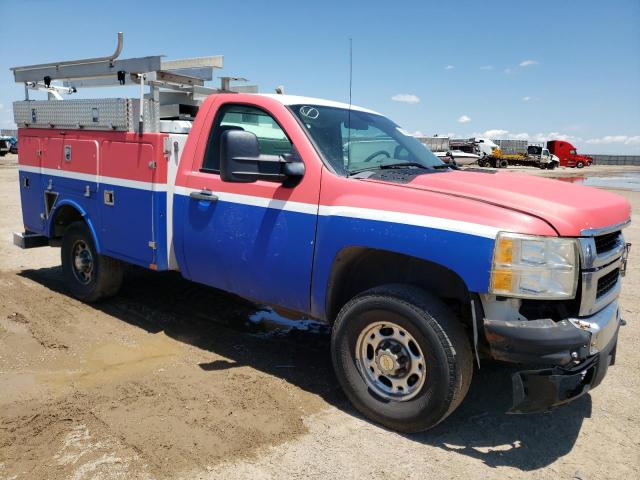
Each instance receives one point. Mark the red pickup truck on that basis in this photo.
(334, 212)
(568, 154)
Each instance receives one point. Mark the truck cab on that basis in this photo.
(568, 154)
(486, 146)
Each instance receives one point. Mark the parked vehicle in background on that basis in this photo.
(5, 146)
(520, 153)
(457, 157)
(421, 270)
(568, 154)
(486, 147)
(450, 151)
(13, 144)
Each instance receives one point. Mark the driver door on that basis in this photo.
(253, 239)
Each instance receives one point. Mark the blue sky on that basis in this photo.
(525, 69)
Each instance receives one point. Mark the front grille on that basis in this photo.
(607, 282)
(607, 242)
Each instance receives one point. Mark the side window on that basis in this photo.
(271, 138)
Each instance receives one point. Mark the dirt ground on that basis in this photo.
(174, 380)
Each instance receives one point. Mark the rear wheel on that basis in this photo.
(88, 275)
(401, 357)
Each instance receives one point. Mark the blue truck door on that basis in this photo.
(254, 240)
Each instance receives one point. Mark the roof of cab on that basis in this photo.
(300, 100)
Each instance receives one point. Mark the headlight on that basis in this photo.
(527, 266)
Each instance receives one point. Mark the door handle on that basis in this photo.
(204, 195)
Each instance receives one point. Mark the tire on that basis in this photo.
(552, 166)
(580, 164)
(482, 162)
(503, 164)
(98, 276)
(442, 345)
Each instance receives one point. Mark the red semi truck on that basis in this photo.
(568, 154)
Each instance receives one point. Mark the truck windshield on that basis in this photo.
(354, 141)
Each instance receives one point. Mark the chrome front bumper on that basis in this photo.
(547, 342)
(601, 326)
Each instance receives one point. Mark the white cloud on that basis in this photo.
(508, 71)
(449, 67)
(464, 119)
(526, 99)
(528, 63)
(417, 133)
(493, 133)
(1, 106)
(609, 139)
(486, 67)
(406, 98)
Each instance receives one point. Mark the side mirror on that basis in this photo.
(241, 161)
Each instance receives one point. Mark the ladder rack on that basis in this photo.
(176, 90)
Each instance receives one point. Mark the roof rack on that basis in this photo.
(176, 88)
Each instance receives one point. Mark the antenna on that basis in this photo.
(349, 112)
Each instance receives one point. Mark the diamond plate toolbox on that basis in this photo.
(91, 114)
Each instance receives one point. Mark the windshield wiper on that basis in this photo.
(403, 165)
(389, 166)
(452, 166)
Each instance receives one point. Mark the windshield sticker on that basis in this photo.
(403, 131)
(309, 112)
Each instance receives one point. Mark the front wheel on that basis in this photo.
(88, 275)
(401, 357)
(580, 165)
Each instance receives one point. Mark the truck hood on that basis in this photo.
(567, 207)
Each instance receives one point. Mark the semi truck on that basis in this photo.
(334, 212)
(568, 155)
(520, 153)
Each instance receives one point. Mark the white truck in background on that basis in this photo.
(502, 153)
(485, 147)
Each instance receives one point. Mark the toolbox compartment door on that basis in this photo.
(77, 162)
(31, 196)
(127, 200)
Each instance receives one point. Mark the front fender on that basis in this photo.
(468, 256)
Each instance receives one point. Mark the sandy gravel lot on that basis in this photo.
(173, 380)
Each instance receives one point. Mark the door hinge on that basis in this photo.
(152, 164)
(152, 244)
